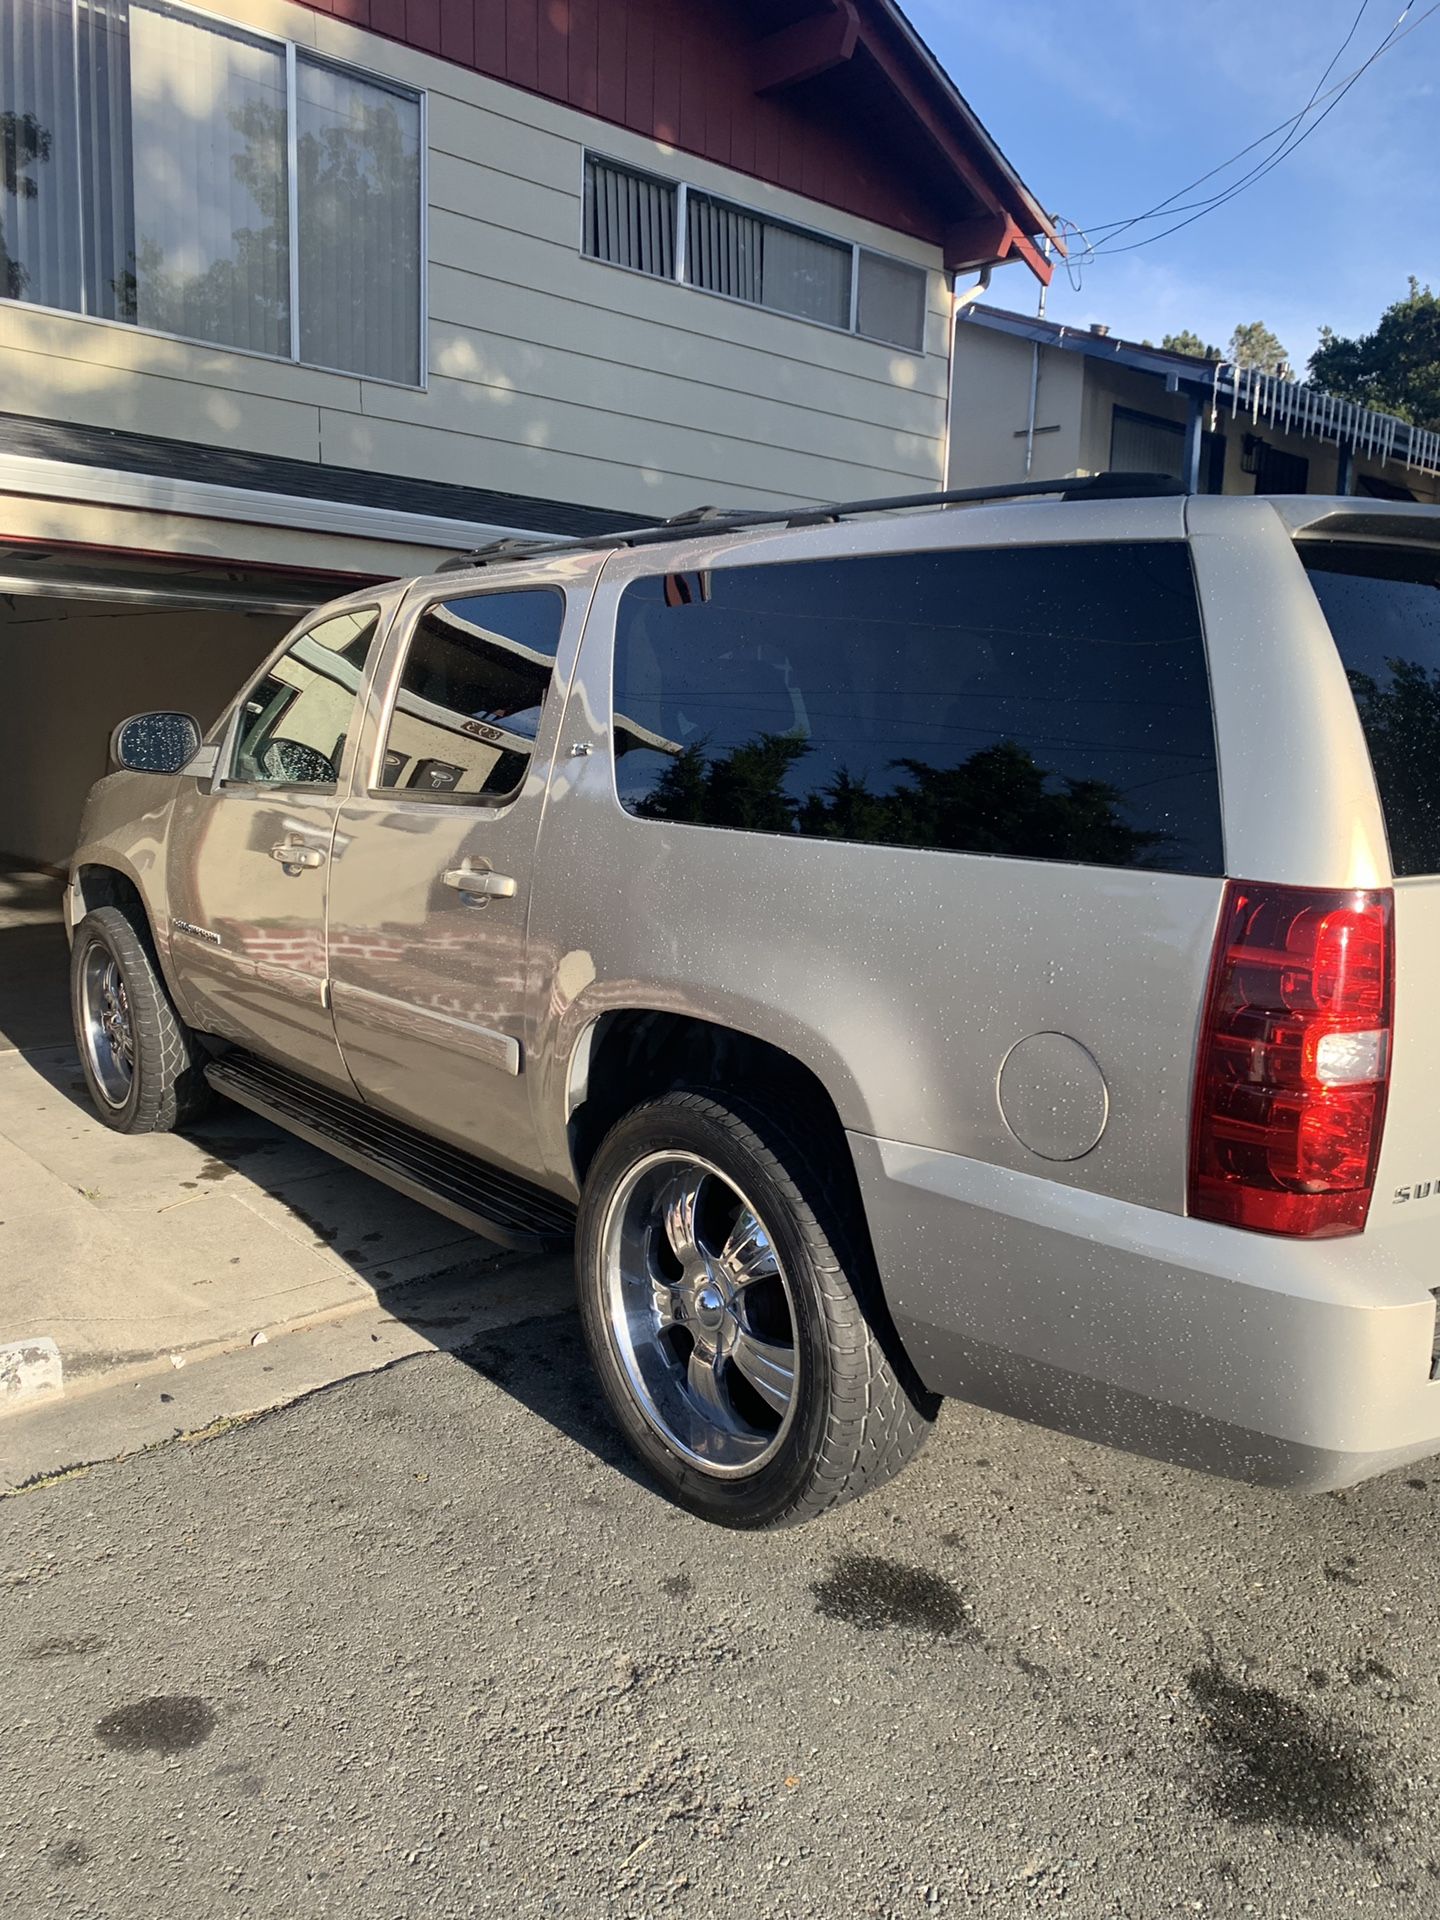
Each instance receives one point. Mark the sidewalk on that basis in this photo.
(127, 1261)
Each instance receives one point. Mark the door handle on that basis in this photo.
(293, 855)
(480, 882)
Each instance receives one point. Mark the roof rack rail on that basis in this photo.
(684, 526)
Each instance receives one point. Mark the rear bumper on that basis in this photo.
(1304, 1365)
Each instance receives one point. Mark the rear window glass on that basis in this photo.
(1383, 606)
(1046, 703)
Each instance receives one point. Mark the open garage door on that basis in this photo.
(89, 636)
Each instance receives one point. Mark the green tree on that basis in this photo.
(1252, 344)
(1187, 342)
(1395, 369)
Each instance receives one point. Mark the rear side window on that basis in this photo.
(1383, 606)
(1046, 703)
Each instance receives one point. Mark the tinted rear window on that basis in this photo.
(1046, 703)
(1383, 606)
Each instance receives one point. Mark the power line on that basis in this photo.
(1292, 139)
(1283, 153)
(1284, 128)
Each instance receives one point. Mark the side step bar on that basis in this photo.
(499, 1205)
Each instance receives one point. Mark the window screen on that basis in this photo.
(892, 299)
(294, 720)
(1383, 606)
(735, 252)
(358, 156)
(147, 179)
(1043, 703)
(39, 181)
(629, 218)
(468, 706)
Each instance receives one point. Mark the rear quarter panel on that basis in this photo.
(1301, 807)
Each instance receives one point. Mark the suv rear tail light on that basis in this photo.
(1294, 1060)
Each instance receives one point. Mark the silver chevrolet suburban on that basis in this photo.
(979, 950)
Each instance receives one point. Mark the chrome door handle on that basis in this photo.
(293, 855)
(481, 882)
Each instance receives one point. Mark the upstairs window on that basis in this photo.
(629, 218)
(674, 231)
(890, 301)
(199, 180)
(748, 257)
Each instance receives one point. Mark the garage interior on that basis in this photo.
(87, 640)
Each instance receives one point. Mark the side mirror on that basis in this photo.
(155, 742)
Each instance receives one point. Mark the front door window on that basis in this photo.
(294, 720)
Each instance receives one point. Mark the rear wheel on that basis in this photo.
(734, 1322)
(142, 1065)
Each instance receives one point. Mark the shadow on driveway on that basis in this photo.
(168, 1244)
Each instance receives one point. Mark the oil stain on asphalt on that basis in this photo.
(1273, 1762)
(63, 1854)
(866, 1590)
(61, 1646)
(166, 1723)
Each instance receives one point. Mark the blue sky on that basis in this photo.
(1106, 106)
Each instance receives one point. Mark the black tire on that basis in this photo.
(167, 1087)
(859, 1413)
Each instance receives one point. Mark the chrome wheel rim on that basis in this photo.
(700, 1313)
(107, 1033)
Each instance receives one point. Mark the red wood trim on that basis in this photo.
(971, 243)
(1042, 268)
(992, 237)
(422, 24)
(808, 48)
(942, 138)
(457, 32)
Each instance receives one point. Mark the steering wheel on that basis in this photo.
(292, 763)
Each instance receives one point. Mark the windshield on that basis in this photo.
(1383, 606)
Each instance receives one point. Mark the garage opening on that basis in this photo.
(87, 638)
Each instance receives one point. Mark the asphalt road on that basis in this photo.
(420, 1645)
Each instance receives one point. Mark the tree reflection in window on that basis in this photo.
(998, 801)
(1030, 702)
(1383, 607)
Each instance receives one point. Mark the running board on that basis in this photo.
(499, 1205)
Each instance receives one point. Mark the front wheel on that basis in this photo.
(141, 1062)
(735, 1330)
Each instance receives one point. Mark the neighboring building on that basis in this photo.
(297, 295)
(1034, 400)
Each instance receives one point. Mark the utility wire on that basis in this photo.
(1115, 227)
(1258, 172)
(1208, 204)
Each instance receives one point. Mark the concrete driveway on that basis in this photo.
(159, 1283)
